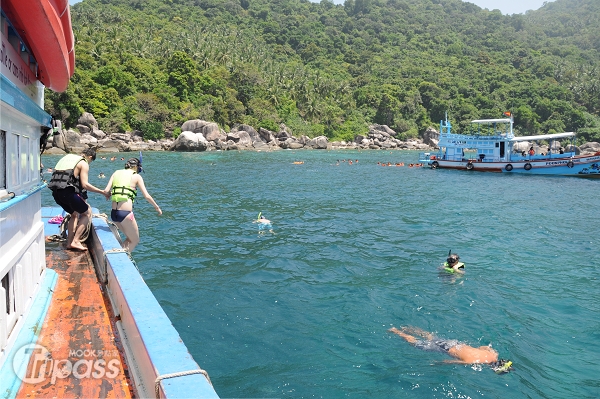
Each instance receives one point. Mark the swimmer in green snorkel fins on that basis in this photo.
(452, 264)
(461, 352)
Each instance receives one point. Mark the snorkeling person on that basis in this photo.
(123, 189)
(452, 264)
(263, 224)
(69, 185)
(463, 353)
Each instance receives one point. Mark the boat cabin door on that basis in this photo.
(502, 149)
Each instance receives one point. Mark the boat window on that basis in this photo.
(2, 160)
(7, 294)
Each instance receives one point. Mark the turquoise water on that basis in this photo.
(303, 312)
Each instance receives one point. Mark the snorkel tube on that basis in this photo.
(258, 217)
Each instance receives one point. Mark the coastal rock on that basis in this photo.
(120, 136)
(266, 135)
(71, 139)
(590, 148)
(212, 132)
(97, 133)
(382, 129)
(108, 143)
(431, 137)
(87, 119)
(318, 143)
(195, 125)
(252, 133)
(83, 129)
(190, 141)
(89, 140)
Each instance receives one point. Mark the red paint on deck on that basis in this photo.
(78, 330)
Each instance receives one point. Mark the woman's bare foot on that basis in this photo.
(75, 247)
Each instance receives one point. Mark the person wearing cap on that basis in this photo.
(462, 352)
(122, 188)
(69, 184)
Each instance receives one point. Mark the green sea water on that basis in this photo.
(303, 312)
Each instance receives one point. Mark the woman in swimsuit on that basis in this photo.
(123, 186)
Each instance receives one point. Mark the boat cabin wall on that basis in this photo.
(18, 65)
(19, 152)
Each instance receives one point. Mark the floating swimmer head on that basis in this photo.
(501, 366)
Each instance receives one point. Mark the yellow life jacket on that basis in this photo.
(121, 186)
(449, 269)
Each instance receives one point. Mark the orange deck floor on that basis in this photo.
(83, 358)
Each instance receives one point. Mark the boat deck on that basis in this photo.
(80, 357)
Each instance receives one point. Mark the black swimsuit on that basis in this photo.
(118, 215)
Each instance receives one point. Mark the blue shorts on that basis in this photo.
(69, 201)
(263, 226)
(118, 216)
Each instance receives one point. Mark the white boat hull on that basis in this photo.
(583, 166)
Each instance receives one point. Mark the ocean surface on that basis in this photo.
(304, 311)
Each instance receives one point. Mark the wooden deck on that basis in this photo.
(82, 353)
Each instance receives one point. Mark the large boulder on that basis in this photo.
(320, 143)
(431, 137)
(89, 140)
(190, 141)
(194, 125)
(266, 135)
(126, 137)
(383, 129)
(254, 135)
(87, 119)
(246, 139)
(211, 132)
(67, 140)
(590, 148)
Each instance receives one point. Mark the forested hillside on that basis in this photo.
(332, 69)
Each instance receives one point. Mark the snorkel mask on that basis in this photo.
(502, 366)
(135, 163)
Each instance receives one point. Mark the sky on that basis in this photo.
(506, 6)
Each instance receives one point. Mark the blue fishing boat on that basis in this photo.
(490, 145)
(72, 323)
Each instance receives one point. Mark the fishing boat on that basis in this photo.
(490, 145)
(72, 323)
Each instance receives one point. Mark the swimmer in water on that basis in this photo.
(463, 353)
(101, 175)
(453, 265)
(263, 224)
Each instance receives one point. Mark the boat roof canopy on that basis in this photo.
(505, 120)
(544, 137)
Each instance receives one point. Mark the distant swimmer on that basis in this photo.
(453, 264)
(263, 224)
(463, 353)
(101, 175)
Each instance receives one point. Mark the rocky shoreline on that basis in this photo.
(199, 135)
